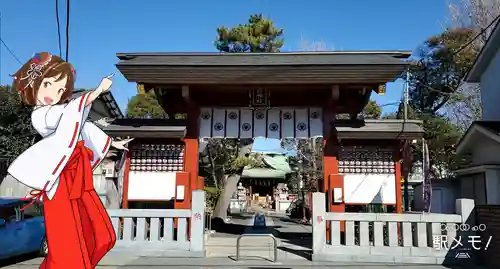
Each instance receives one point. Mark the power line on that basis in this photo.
(0, 48)
(476, 36)
(67, 29)
(58, 28)
(10, 51)
(5, 45)
(461, 48)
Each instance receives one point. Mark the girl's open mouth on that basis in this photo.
(47, 100)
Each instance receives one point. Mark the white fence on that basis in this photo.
(151, 232)
(389, 238)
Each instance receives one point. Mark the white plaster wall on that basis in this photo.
(485, 151)
(148, 186)
(490, 90)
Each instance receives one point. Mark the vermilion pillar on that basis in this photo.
(397, 171)
(191, 146)
(191, 152)
(331, 177)
(126, 180)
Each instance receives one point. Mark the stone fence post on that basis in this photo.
(465, 208)
(198, 221)
(318, 222)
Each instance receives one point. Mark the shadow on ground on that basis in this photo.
(17, 259)
(220, 226)
(241, 215)
(303, 240)
(296, 221)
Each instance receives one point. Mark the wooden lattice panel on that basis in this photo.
(157, 157)
(366, 160)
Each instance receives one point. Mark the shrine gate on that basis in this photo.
(283, 95)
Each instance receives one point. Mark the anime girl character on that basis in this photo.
(59, 167)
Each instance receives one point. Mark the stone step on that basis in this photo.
(244, 238)
(264, 253)
(242, 243)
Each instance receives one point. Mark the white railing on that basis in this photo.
(164, 232)
(386, 237)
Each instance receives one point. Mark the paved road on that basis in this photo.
(294, 237)
(248, 263)
(234, 227)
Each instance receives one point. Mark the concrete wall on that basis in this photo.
(490, 90)
(485, 151)
(10, 187)
(390, 238)
(482, 183)
(444, 194)
(100, 182)
(489, 216)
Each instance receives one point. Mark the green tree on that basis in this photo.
(372, 110)
(16, 132)
(258, 35)
(437, 75)
(145, 105)
(435, 84)
(465, 105)
(441, 135)
(226, 158)
(221, 163)
(436, 79)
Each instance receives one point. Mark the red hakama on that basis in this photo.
(78, 228)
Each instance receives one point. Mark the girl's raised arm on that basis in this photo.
(103, 87)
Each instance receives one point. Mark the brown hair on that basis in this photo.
(49, 66)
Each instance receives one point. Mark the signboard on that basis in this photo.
(259, 221)
(381, 89)
(259, 97)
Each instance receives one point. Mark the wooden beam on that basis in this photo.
(186, 93)
(335, 92)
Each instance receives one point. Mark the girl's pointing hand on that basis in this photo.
(103, 87)
(106, 84)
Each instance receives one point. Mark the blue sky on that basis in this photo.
(101, 28)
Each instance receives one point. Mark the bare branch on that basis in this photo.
(306, 45)
(465, 105)
(475, 14)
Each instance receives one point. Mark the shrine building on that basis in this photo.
(274, 95)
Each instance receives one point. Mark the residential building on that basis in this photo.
(481, 181)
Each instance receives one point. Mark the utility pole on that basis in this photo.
(405, 117)
(406, 96)
(0, 48)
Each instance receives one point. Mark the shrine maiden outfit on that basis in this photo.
(78, 229)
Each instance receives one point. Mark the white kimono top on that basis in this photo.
(61, 127)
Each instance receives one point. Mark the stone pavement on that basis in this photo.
(256, 252)
(117, 261)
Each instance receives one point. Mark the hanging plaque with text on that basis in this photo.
(259, 97)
